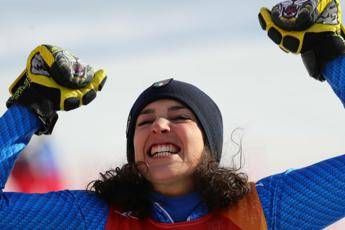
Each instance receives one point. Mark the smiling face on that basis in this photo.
(168, 139)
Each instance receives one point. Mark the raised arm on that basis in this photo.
(311, 197)
(334, 73)
(53, 80)
(17, 126)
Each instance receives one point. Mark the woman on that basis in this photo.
(174, 145)
(172, 179)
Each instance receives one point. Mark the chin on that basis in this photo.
(163, 175)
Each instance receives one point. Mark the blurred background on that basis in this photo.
(286, 119)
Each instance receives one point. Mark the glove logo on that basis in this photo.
(69, 71)
(295, 14)
(290, 9)
(329, 15)
(78, 70)
(21, 89)
(316, 32)
(38, 66)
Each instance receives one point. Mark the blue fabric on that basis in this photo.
(168, 209)
(308, 198)
(334, 73)
(55, 210)
(17, 126)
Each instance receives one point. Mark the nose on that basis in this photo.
(160, 125)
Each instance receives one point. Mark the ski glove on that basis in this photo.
(54, 80)
(311, 28)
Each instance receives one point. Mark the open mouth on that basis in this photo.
(162, 150)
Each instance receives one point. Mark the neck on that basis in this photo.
(177, 188)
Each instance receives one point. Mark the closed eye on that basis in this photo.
(145, 122)
(180, 118)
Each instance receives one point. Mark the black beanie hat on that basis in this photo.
(203, 107)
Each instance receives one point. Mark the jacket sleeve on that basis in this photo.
(311, 197)
(55, 210)
(334, 73)
(307, 198)
(17, 126)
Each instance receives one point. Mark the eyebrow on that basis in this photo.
(146, 111)
(172, 108)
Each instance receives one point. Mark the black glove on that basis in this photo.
(312, 28)
(54, 80)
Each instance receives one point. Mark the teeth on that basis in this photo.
(161, 154)
(163, 150)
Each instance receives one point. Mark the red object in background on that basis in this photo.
(36, 170)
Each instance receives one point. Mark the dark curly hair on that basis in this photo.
(125, 187)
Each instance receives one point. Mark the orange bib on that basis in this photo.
(246, 214)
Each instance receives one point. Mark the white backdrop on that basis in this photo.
(288, 119)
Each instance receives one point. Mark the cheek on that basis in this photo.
(138, 142)
(193, 142)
